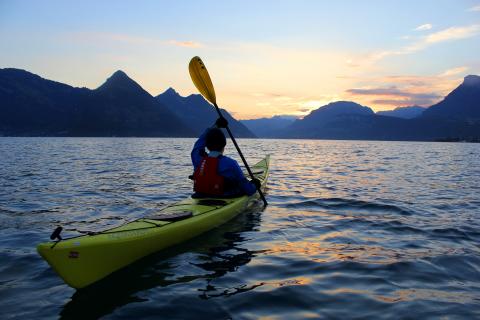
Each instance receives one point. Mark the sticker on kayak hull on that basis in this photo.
(73, 254)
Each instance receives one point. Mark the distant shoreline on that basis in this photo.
(454, 140)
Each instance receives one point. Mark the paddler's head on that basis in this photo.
(215, 140)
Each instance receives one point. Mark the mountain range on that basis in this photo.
(456, 117)
(198, 114)
(33, 106)
(269, 127)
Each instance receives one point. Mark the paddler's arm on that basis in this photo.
(246, 186)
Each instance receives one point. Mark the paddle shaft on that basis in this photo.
(241, 156)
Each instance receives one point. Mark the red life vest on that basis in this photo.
(206, 179)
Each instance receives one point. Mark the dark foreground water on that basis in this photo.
(354, 229)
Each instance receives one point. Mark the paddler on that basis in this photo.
(215, 174)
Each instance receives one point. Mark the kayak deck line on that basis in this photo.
(146, 220)
(143, 219)
(87, 258)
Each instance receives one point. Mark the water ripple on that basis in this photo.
(341, 203)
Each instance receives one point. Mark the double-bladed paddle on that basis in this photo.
(201, 80)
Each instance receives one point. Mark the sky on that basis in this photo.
(265, 57)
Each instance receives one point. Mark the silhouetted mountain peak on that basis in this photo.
(348, 105)
(119, 77)
(461, 103)
(341, 108)
(120, 81)
(196, 98)
(471, 80)
(198, 113)
(170, 92)
(119, 74)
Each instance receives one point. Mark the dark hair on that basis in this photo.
(215, 139)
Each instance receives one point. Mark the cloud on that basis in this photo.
(351, 63)
(283, 98)
(263, 104)
(273, 95)
(424, 27)
(453, 72)
(403, 103)
(186, 44)
(393, 92)
(475, 8)
(119, 38)
(304, 110)
(453, 33)
(393, 96)
(406, 80)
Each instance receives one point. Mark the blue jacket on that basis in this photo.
(227, 168)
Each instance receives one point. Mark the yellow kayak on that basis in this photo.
(83, 260)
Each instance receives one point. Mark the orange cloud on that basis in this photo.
(388, 92)
(393, 96)
(454, 72)
(453, 33)
(186, 44)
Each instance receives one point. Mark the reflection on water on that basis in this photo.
(217, 253)
(354, 229)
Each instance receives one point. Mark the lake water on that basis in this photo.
(354, 229)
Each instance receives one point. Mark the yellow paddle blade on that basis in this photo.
(201, 79)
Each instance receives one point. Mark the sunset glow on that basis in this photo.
(265, 58)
